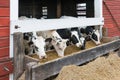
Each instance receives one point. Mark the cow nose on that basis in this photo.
(98, 44)
(82, 47)
(43, 57)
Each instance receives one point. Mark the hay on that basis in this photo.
(100, 69)
(51, 55)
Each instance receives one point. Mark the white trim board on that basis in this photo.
(49, 24)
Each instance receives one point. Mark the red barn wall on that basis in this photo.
(111, 13)
(4, 40)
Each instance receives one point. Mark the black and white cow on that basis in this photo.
(73, 36)
(92, 34)
(39, 43)
(34, 44)
(77, 38)
(54, 39)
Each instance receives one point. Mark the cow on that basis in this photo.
(54, 40)
(28, 44)
(39, 44)
(92, 34)
(74, 37)
(77, 38)
(34, 44)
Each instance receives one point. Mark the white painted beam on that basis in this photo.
(49, 24)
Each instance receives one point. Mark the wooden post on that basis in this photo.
(28, 73)
(58, 8)
(18, 55)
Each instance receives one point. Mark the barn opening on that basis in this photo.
(49, 9)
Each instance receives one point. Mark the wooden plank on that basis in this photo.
(6, 68)
(28, 75)
(4, 21)
(28, 60)
(4, 3)
(4, 77)
(18, 55)
(4, 52)
(4, 42)
(4, 31)
(48, 69)
(4, 12)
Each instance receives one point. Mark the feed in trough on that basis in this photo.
(51, 55)
(103, 68)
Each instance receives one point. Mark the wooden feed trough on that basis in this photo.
(36, 70)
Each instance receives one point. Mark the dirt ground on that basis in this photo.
(103, 68)
(51, 55)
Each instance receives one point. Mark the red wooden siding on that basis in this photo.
(111, 12)
(4, 12)
(6, 68)
(4, 31)
(4, 77)
(4, 3)
(4, 52)
(4, 40)
(4, 21)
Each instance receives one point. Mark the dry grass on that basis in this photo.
(100, 69)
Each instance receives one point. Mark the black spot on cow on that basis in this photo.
(73, 39)
(94, 36)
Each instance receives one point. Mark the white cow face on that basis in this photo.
(60, 47)
(62, 44)
(82, 42)
(79, 42)
(39, 43)
(96, 37)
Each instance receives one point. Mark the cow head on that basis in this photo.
(95, 36)
(92, 34)
(39, 44)
(78, 40)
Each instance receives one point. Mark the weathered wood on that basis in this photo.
(119, 52)
(28, 60)
(43, 71)
(28, 75)
(108, 39)
(58, 8)
(18, 55)
(105, 32)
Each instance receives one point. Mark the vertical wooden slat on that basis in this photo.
(18, 55)
(28, 74)
(58, 8)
